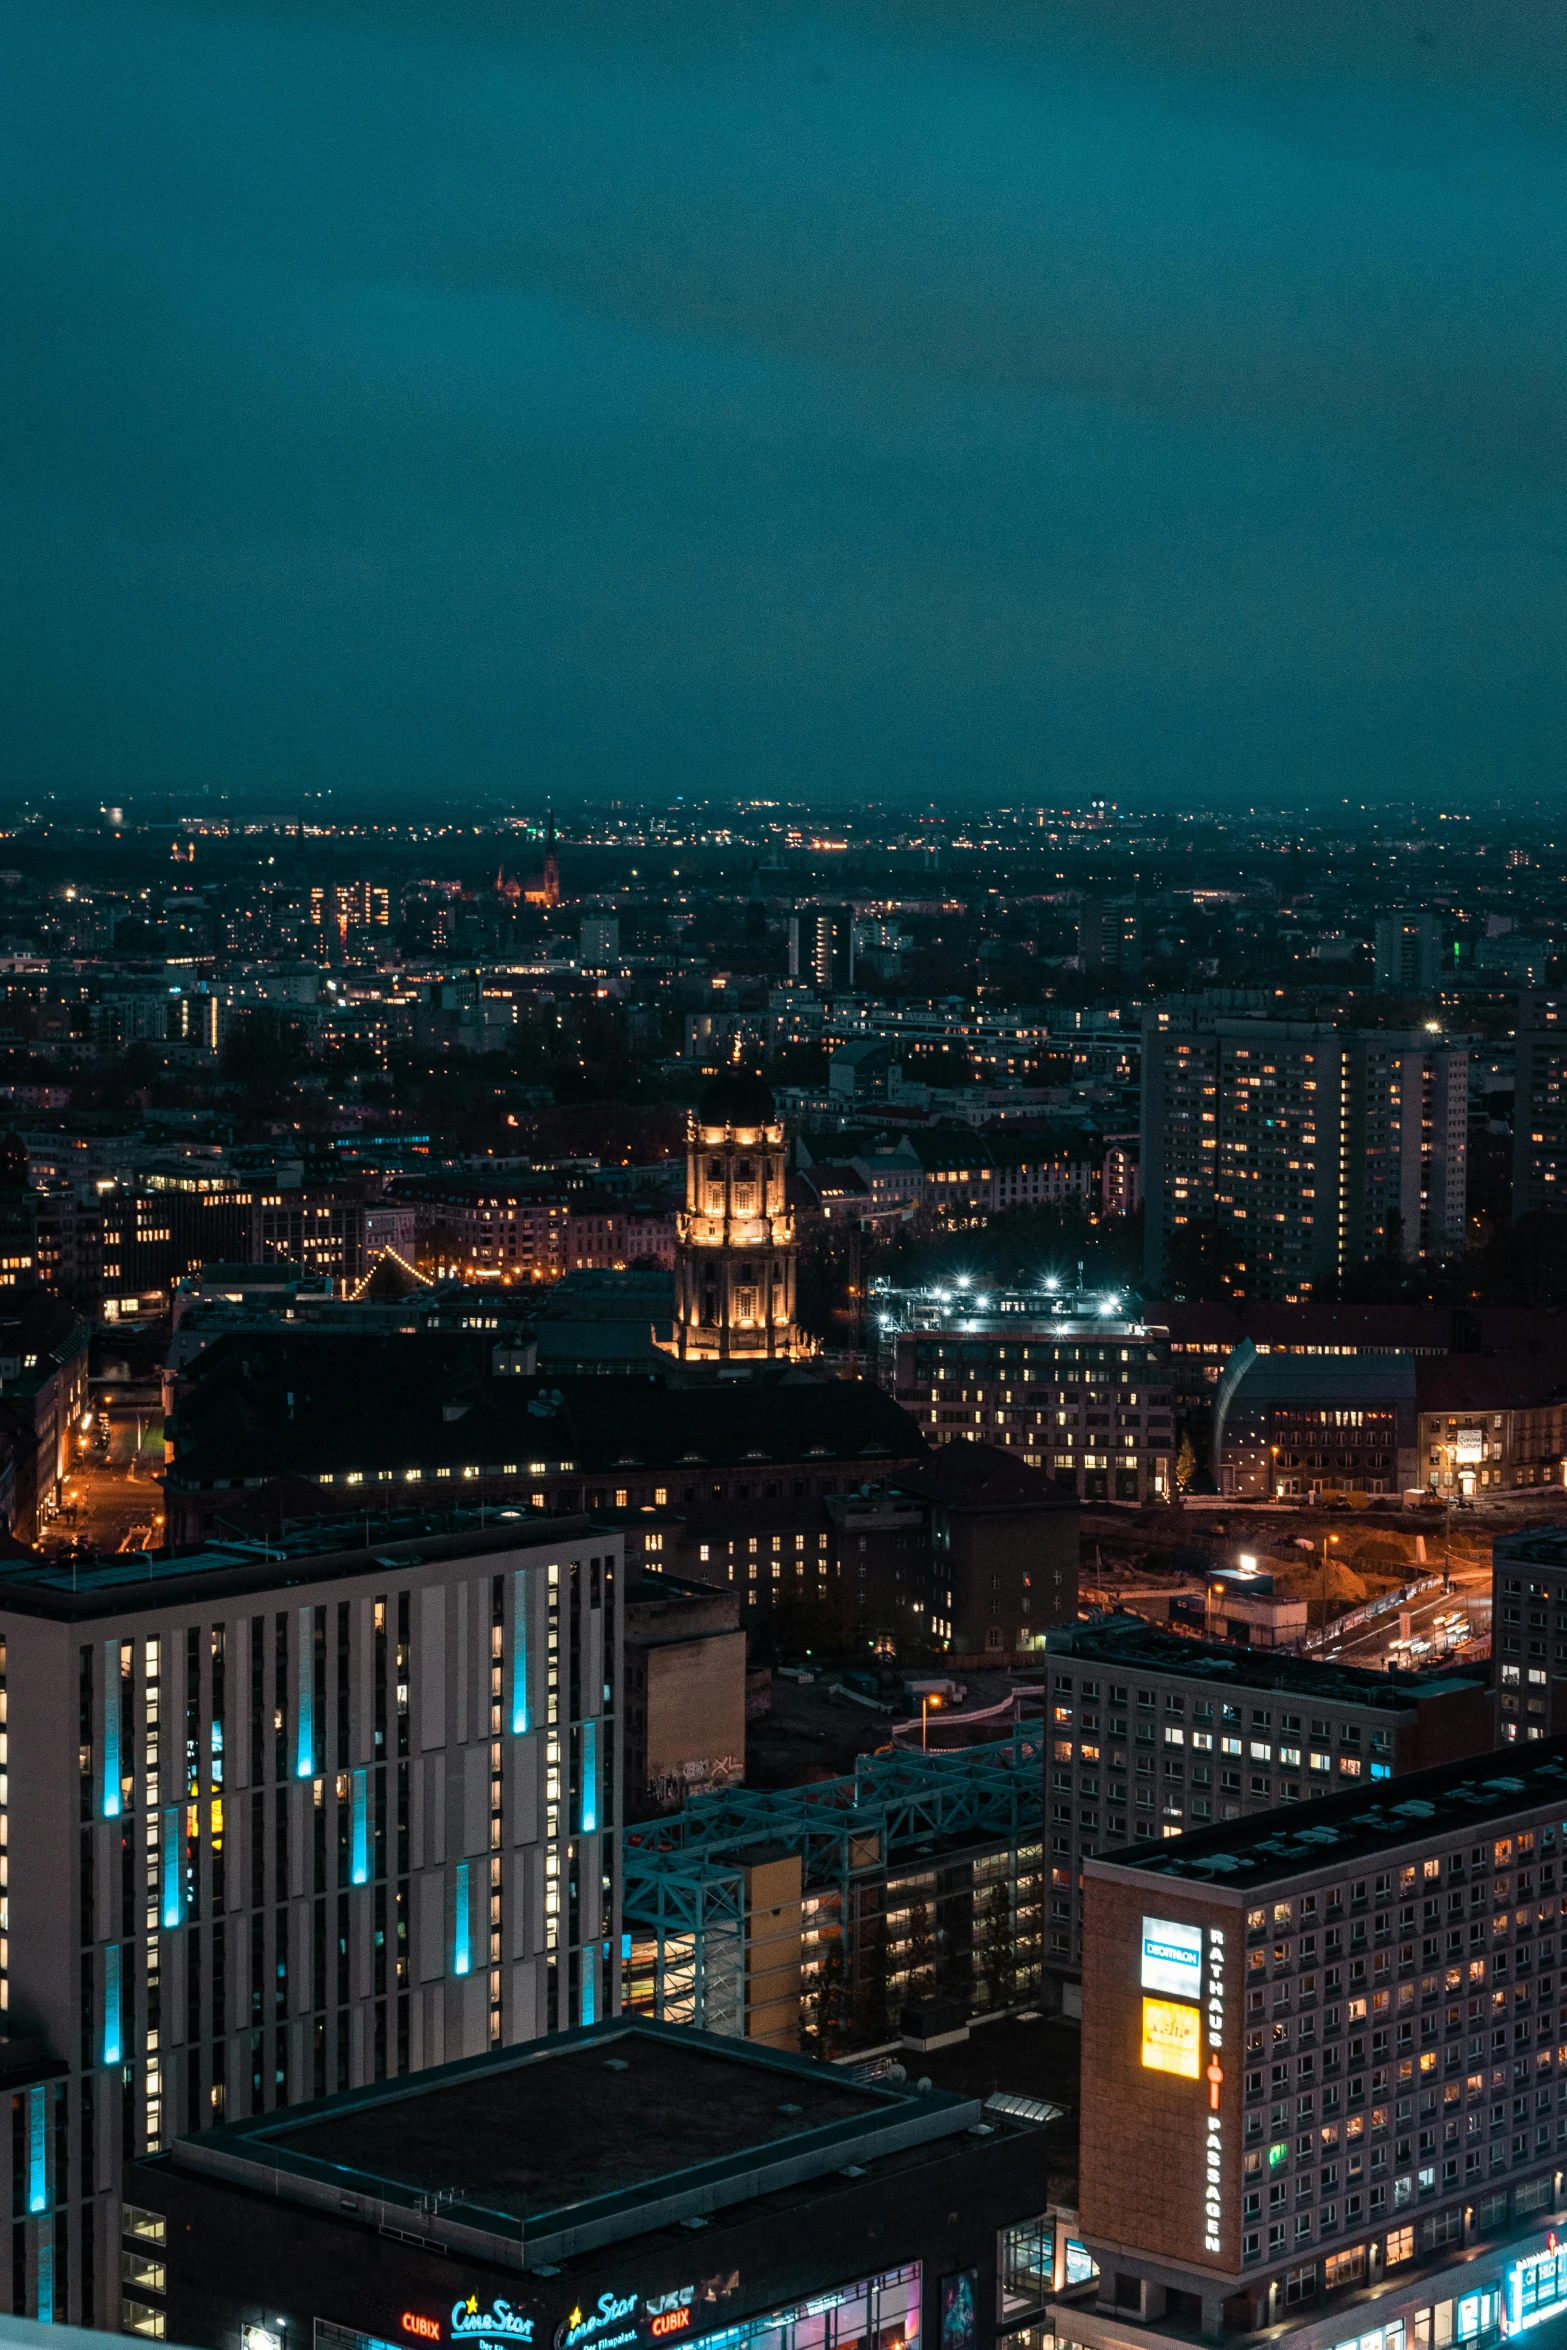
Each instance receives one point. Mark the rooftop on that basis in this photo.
(1486, 1383)
(896, 1810)
(983, 1477)
(586, 2139)
(1313, 1379)
(267, 1403)
(1343, 1831)
(1532, 1546)
(1129, 1644)
(75, 1590)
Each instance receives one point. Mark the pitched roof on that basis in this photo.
(316, 1403)
(1491, 1383)
(984, 1476)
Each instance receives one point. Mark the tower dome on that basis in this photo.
(737, 1097)
(735, 1246)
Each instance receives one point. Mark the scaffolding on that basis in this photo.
(684, 1946)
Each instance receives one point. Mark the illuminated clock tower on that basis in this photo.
(735, 1252)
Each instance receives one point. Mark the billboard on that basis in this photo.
(1172, 2038)
(1172, 1958)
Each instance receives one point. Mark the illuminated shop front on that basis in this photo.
(881, 2312)
(626, 2187)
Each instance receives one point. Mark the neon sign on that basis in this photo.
(426, 2329)
(469, 2318)
(1536, 2287)
(1213, 2179)
(670, 2313)
(595, 2325)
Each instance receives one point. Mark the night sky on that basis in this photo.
(437, 400)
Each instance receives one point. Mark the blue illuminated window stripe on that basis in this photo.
(111, 1729)
(112, 2036)
(590, 1777)
(305, 1745)
(589, 1987)
(46, 2284)
(37, 2150)
(173, 1905)
(519, 1652)
(360, 1858)
(460, 1959)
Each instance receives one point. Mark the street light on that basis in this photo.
(1326, 1539)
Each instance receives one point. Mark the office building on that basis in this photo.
(1278, 1153)
(1511, 958)
(635, 2186)
(277, 1427)
(1529, 1632)
(1493, 1422)
(1289, 1425)
(1155, 1735)
(813, 1916)
(281, 1819)
(1078, 1390)
(1205, 1334)
(685, 1692)
(1540, 1105)
(1408, 954)
(1001, 1540)
(38, 2182)
(967, 1551)
(1337, 2044)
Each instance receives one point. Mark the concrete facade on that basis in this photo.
(1151, 1734)
(1335, 2042)
(276, 1826)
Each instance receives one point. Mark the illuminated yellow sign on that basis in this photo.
(1172, 2036)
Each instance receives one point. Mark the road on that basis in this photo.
(107, 1507)
(1367, 1644)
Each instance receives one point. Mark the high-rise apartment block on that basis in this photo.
(351, 905)
(821, 947)
(1540, 1105)
(1408, 954)
(1529, 1631)
(1151, 1734)
(280, 1819)
(598, 939)
(1292, 1150)
(1109, 938)
(1335, 2047)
